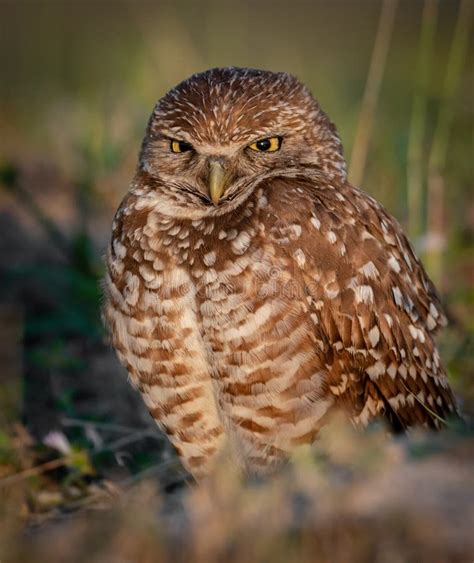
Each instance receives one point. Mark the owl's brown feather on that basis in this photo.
(249, 321)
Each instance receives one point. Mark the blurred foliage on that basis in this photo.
(360, 494)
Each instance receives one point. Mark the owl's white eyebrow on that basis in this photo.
(264, 136)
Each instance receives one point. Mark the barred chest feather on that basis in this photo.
(231, 326)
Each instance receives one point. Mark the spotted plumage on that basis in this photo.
(251, 290)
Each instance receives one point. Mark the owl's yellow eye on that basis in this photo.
(271, 144)
(180, 146)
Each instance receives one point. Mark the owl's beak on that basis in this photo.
(217, 180)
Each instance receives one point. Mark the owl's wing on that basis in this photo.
(375, 311)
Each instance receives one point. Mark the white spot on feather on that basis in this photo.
(314, 318)
(339, 389)
(366, 235)
(397, 295)
(331, 236)
(413, 331)
(296, 230)
(394, 264)
(392, 370)
(241, 243)
(119, 249)
(434, 311)
(364, 294)
(300, 257)
(210, 258)
(430, 323)
(174, 230)
(374, 336)
(374, 371)
(369, 270)
(396, 401)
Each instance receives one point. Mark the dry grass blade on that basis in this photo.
(71, 459)
(34, 471)
(371, 93)
(436, 223)
(127, 440)
(426, 407)
(105, 426)
(415, 172)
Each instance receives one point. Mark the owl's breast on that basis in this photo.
(255, 322)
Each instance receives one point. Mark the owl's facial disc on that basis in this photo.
(219, 134)
(217, 165)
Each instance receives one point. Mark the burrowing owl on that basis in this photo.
(251, 289)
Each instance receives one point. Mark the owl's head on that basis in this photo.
(213, 138)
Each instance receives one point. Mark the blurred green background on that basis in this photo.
(78, 82)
